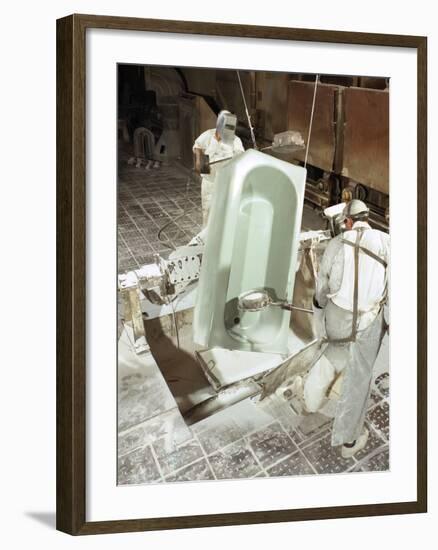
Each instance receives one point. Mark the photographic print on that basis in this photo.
(226, 318)
(253, 274)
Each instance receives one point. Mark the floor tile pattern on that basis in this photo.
(148, 200)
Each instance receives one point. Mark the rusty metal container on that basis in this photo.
(366, 137)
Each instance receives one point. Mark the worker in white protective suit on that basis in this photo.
(218, 143)
(351, 309)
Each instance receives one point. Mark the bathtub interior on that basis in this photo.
(262, 254)
(251, 242)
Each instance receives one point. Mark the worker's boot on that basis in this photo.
(359, 444)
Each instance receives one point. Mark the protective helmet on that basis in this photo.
(226, 126)
(355, 209)
(336, 218)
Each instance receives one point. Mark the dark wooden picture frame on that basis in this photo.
(71, 271)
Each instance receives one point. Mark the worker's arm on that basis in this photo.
(199, 147)
(197, 159)
(323, 281)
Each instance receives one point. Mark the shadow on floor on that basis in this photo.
(45, 518)
(178, 365)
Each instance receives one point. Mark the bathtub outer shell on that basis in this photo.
(218, 285)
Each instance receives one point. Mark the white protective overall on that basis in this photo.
(354, 334)
(228, 146)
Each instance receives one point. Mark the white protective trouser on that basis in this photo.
(318, 381)
(357, 358)
(207, 187)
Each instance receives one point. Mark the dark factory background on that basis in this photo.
(162, 110)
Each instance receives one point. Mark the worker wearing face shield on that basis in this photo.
(351, 311)
(218, 143)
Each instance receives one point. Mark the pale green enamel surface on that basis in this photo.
(251, 243)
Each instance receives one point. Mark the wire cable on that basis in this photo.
(251, 128)
(311, 119)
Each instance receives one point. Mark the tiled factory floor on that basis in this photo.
(234, 443)
(149, 199)
(278, 449)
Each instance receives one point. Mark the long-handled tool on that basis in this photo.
(259, 299)
(283, 143)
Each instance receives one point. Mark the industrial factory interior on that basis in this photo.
(243, 197)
